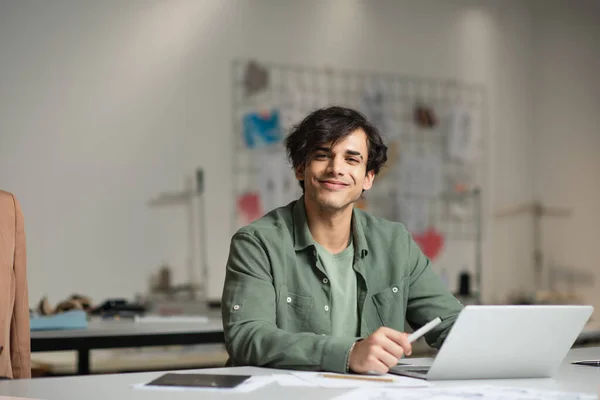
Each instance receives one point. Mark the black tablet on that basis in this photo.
(199, 380)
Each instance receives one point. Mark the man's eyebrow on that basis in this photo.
(354, 153)
(348, 152)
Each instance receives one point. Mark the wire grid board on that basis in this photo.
(295, 91)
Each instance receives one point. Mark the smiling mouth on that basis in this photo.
(333, 185)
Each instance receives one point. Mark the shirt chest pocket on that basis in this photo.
(390, 304)
(298, 309)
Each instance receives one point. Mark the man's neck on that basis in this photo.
(331, 229)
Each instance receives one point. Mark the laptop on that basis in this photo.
(503, 342)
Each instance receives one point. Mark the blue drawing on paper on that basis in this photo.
(261, 129)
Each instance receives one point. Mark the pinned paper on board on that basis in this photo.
(256, 78)
(431, 243)
(425, 116)
(277, 183)
(458, 210)
(261, 128)
(291, 108)
(414, 214)
(462, 135)
(374, 104)
(421, 176)
(249, 207)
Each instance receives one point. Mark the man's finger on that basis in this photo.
(405, 343)
(389, 360)
(392, 348)
(377, 366)
(401, 339)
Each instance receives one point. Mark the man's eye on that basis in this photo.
(352, 160)
(321, 156)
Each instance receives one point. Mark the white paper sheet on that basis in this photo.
(277, 183)
(461, 393)
(463, 134)
(414, 214)
(374, 103)
(291, 380)
(330, 380)
(420, 176)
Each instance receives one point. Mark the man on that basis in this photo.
(320, 285)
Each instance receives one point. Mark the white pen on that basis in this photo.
(424, 329)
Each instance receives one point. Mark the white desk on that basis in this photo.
(118, 387)
(589, 335)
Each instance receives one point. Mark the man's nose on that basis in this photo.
(336, 166)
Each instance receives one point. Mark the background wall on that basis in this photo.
(567, 135)
(106, 104)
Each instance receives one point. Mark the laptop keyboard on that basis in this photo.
(415, 369)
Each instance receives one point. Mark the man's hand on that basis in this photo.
(380, 351)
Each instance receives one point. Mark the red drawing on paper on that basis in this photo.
(249, 207)
(431, 242)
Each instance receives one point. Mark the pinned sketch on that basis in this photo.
(291, 108)
(277, 183)
(458, 210)
(256, 78)
(414, 214)
(425, 116)
(249, 207)
(462, 135)
(374, 104)
(261, 128)
(431, 242)
(421, 176)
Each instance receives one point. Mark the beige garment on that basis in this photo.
(15, 360)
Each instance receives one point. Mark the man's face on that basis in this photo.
(335, 177)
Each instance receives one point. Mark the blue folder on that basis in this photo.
(75, 319)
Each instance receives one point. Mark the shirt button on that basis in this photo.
(395, 289)
(325, 280)
(326, 308)
(236, 307)
(289, 299)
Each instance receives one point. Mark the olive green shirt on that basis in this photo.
(276, 296)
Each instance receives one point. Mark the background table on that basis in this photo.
(123, 333)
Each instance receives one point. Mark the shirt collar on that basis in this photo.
(304, 239)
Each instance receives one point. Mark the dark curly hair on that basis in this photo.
(331, 125)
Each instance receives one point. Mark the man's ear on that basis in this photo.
(300, 173)
(369, 178)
